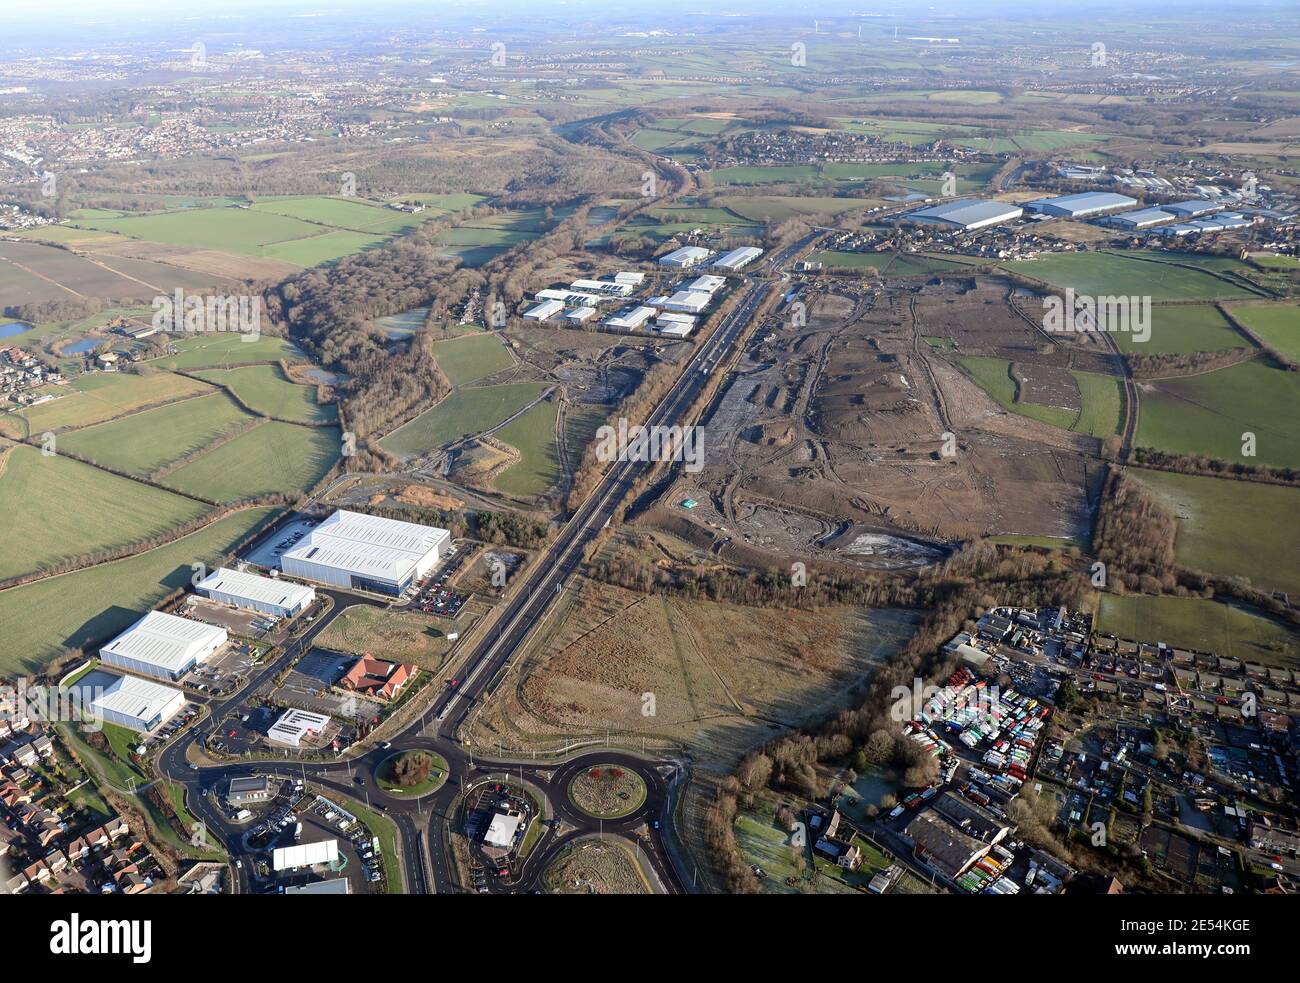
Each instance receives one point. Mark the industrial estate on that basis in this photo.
(579, 451)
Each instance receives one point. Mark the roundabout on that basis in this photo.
(411, 774)
(607, 791)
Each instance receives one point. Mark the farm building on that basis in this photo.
(265, 594)
(1084, 205)
(163, 645)
(294, 725)
(967, 215)
(544, 310)
(366, 552)
(685, 257)
(136, 703)
(737, 258)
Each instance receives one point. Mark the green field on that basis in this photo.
(1179, 328)
(222, 350)
(533, 434)
(143, 442)
(1207, 414)
(267, 391)
(471, 357)
(1233, 528)
(1194, 623)
(1276, 324)
(99, 397)
(1116, 274)
(1100, 397)
(43, 620)
(306, 231)
(345, 213)
(235, 230)
(56, 508)
(776, 208)
(273, 457)
(465, 411)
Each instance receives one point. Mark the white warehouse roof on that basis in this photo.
(1085, 203)
(544, 310)
(368, 545)
(134, 697)
(251, 587)
(305, 855)
(165, 641)
(969, 213)
(738, 258)
(688, 301)
(708, 283)
(294, 725)
(686, 256)
(634, 318)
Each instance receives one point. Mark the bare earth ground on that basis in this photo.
(718, 678)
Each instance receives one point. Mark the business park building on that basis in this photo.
(967, 214)
(367, 552)
(163, 646)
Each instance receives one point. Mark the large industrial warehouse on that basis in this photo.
(163, 645)
(136, 703)
(265, 594)
(366, 552)
(968, 214)
(1083, 205)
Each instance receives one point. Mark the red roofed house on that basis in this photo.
(378, 678)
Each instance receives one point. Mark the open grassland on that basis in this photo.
(1100, 397)
(1210, 414)
(538, 468)
(480, 240)
(266, 390)
(923, 176)
(1277, 325)
(273, 457)
(56, 508)
(221, 350)
(1194, 623)
(324, 248)
(776, 208)
(1116, 274)
(1180, 328)
(143, 442)
(235, 230)
(471, 357)
(45, 619)
(101, 396)
(304, 231)
(1234, 528)
(400, 635)
(344, 213)
(465, 411)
